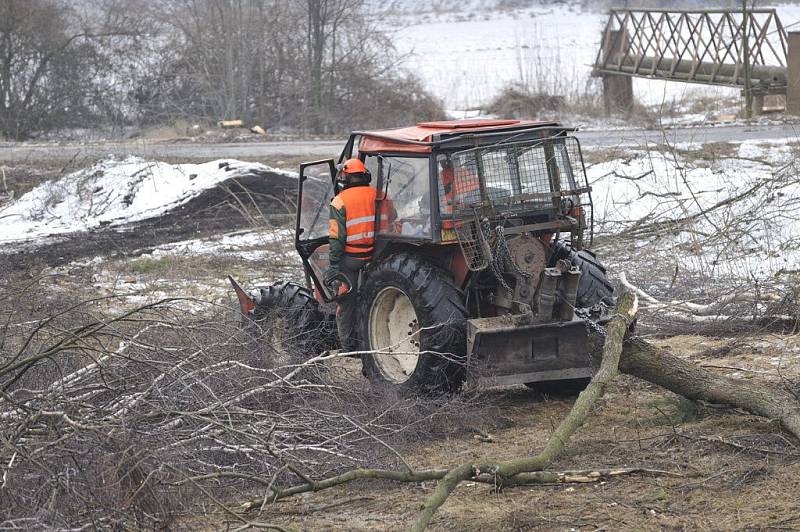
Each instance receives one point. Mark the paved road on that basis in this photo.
(67, 151)
(327, 148)
(702, 134)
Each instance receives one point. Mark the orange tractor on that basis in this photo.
(481, 274)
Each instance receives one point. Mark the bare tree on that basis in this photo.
(57, 62)
(316, 66)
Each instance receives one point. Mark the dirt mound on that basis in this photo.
(244, 195)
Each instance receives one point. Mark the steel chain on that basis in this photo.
(502, 245)
(494, 259)
(501, 254)
(589, 322)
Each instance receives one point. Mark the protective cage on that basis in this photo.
(473, 243)
(519, 178)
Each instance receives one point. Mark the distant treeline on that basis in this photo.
(306, 66)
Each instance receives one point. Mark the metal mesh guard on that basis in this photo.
(470, 238)
(518, 176)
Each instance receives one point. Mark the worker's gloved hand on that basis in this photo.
(330, 277)
(334, 280)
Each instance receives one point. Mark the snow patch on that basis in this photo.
(247, 245)
(725, 215)
(114, 192)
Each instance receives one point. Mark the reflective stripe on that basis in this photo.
(360, 236)
(365, 256)
(362, 219)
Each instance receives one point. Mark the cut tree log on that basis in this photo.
(646, 361)
(228, 124)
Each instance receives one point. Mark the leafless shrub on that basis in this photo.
(712, 240)
(516, 102)
(62, 65)
(546, 81)
(133, 418)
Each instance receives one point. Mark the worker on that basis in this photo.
(351, 234)
(459, 187)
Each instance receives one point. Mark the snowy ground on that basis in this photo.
(697, 213)
(113, 193)
(722, 211)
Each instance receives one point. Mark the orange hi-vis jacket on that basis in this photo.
(351, 228)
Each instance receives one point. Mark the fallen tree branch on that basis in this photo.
(509, 472)
(698, 311)
(583, 476)
(354, 474)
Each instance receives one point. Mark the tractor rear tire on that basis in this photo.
(593, 286)
(288, 324)
(410, 307)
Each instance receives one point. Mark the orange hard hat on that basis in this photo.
(354, 166)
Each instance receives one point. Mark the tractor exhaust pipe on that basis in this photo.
(547, 294)
(569, 283)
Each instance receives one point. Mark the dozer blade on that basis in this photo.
(246, 303)
(509, 349)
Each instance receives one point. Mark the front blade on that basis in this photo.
(247, 304)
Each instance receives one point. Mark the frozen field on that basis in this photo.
(465, 53)
(720, 212)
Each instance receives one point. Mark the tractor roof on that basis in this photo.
(422, 137)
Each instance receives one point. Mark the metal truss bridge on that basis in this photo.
(746, 49)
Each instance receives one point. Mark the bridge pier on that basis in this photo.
(793, 73)
(617, 89)
(758, 103)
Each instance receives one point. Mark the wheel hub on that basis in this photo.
(394, 334)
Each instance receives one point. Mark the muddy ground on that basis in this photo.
(723, 470)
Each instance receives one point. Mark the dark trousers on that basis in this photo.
(347, 306)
